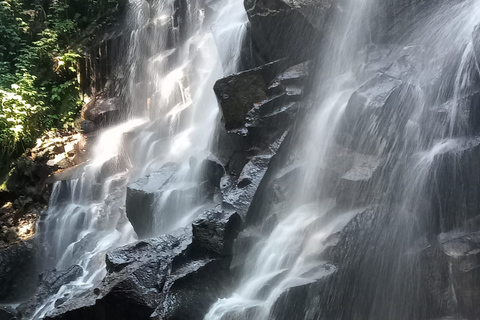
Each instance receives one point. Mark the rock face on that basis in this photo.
(238, 93)
(170, 277)
(255, 98)
(214, 233)
(288, 28)
(17, 271)
(102, 112)
(463, 258)
(180, 275)
(49, 284)
(373, 114)
(454, 193)
(476, 42)
(132, 287)
(8, 313)
(141, 197)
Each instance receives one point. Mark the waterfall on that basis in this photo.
(175, 53)
(287, 257)
(348, 242)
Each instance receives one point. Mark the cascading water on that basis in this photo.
(175, 54)
(288, 256)
(402, 129)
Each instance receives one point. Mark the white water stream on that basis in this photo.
(173, 63)
(291, 255)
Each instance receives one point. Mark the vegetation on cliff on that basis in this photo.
(40, 47)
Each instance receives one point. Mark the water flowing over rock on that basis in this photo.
(141, 198)
(461, 250)
(288, 28)
(170, 277)
(476, 42)
(338, 181)
(49, 284)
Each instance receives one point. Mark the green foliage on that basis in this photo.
(39, 86)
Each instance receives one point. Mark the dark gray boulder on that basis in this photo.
(357, 185)
(133, 286)
(104, 111)
(193, 288)
(377, 114)
(238, 93)
(476, 43)
(17, 271)
(87, 126)
(307, 301)
(8, 313)
(211, 172)
(453, 184)
(141, 197)
(49, 283)
(288, 28)
(238, 193)
(461, 249)
(214, 233)
(170, 277)
(263, 96)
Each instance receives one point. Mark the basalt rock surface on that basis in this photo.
(141, 198)
(278, 24)
(170, 277)
(476, 42)
(17, 271)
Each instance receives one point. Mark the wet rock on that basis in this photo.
(17, 271)
(462, 250)
(262, 96)
(353, 235)
(292, 80)
(242, 245)
(88, 126)
(231, 149)
(141, 197)
(281, 183)
(193, 288)
(49, 284)
(133, 286)
(304, 301)
(212, 171)
(288, 28)
(169, 277)
(215, 232)
(356, 186)
(476, 43)
(104, 111)
(472, 110)
(238, 93)
(276, 113)
(435, 281)
(8, 313)
(365, 247)
(453, 183)
(404, 68)
(238, 194)
(377, 114)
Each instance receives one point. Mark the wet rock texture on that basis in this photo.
(179, 276)
(288, 28)
(170, 277)
(141, 198)
(17, 271)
